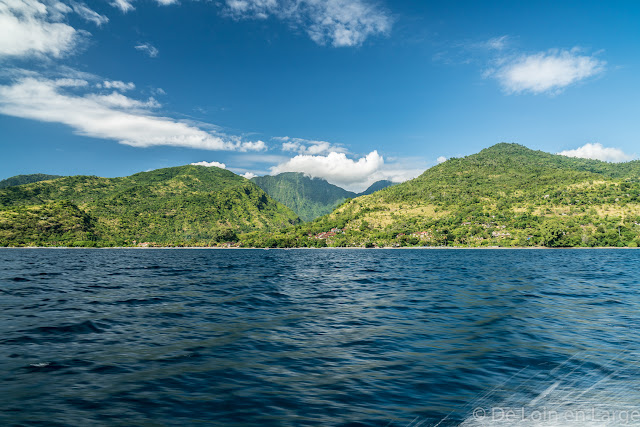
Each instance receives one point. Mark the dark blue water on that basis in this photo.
(316, 337)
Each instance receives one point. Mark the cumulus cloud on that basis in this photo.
(31, 28)
(112, 116)
(441, 159)
(254, 145)
(148, 49)
(354, 175)
(550, 71)
(335, 22)
(305, 146)
(334, 167)
(210, 164)
(249, 175)
(597, 151)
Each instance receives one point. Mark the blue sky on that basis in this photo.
(351, 91)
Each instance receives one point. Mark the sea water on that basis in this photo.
(106, 337)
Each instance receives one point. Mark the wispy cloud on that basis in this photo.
(127, 5)
(335, 22)
(31, 28)
(496, 43)
(89, 14)
(472, 51)
(148, 49)
(545, 72)
(597, 151)
(116, 84)
(108, 116)
(124, 5)
(441, 159)
(305, 146)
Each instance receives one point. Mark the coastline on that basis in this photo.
(325, 248)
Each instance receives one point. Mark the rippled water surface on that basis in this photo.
(316, 337)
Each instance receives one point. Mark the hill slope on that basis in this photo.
(26, 179)
(377, 186)
(309, 197)
(181, 205)
(506, 195)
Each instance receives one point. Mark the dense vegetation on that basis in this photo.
(310, 198)
(187, 205)
(26, 179)
(506, 195)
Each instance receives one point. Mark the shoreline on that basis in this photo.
(321, 249)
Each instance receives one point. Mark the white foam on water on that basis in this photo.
(579, 392)
(40, 365)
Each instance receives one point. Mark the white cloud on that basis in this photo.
(497, 43)
(597, 151)
(334, 167)
(304, 146)
(335, 22)
(89, 14)
(249, 175)
(166, 2)
(210, 164)
(66, 82)
(549, 71)
(118, 100)
(116, 84)
(114, 116)
(354, 175)
(29, 27)
(124, 5)
(253, 146)
(148, 49)
(441, 159)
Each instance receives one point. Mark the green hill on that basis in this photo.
(309, 197)
(180, 205)
(506, 195)
(26, 179)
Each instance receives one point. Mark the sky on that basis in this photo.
(352, 91)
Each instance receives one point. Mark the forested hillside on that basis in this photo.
(309, 197)
(192, 205)
(506, 195)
